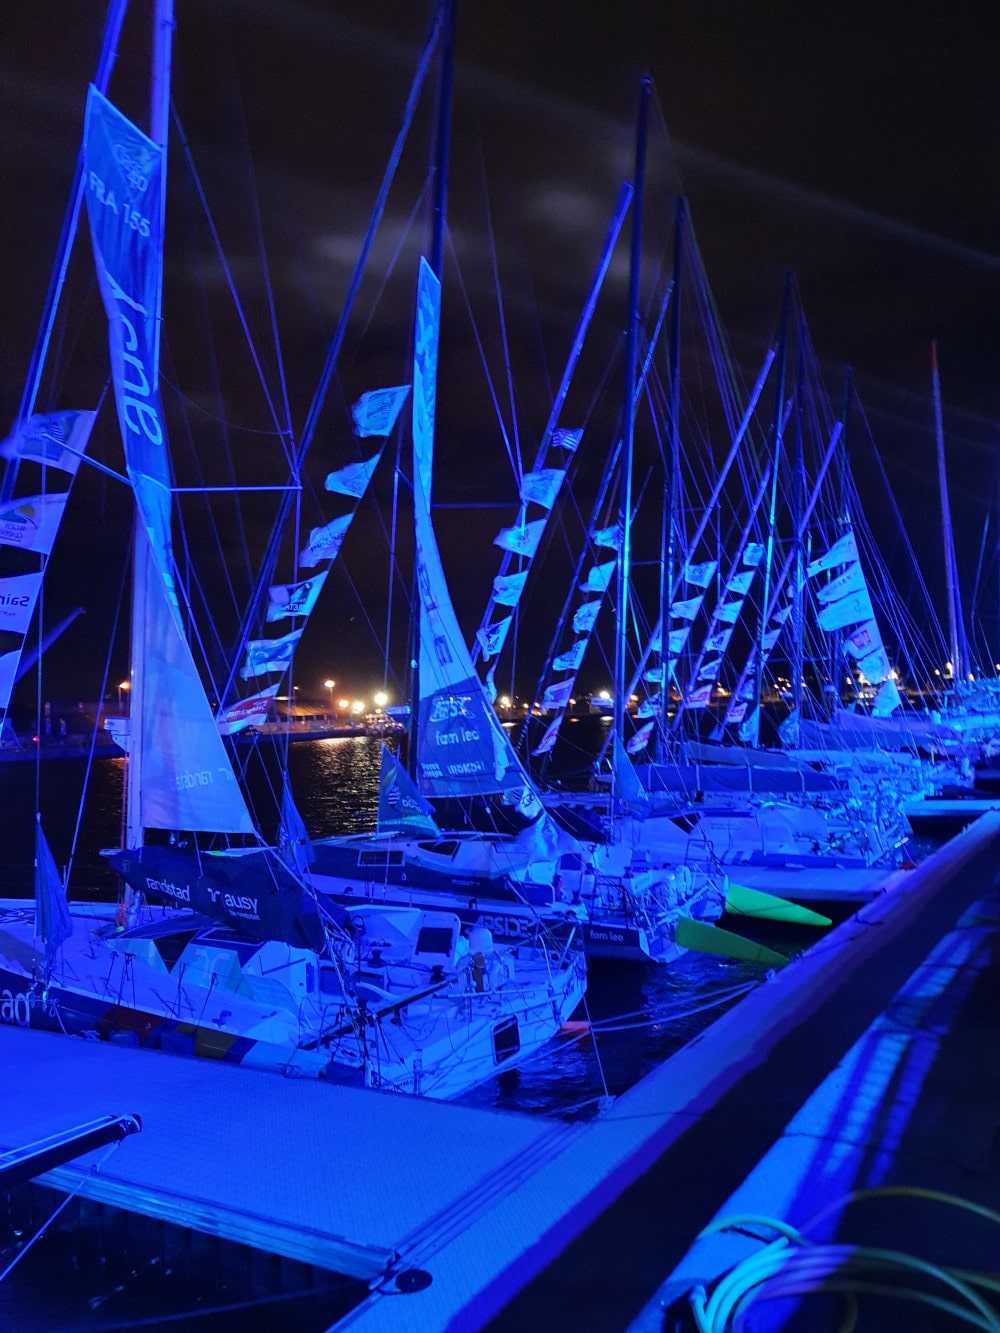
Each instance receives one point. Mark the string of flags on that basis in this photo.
(374, 414)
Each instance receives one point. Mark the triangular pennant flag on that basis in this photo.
(353, 479)
(375, 412)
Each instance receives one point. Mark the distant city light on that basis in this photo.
(381, 699)
(357, 706)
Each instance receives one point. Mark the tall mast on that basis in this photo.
(774, 450)
(442, 142)
(950, 572)
(628, 408)
(143, 569)
(672, 490)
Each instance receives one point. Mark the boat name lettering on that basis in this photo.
(463, 736)
(445, 709)
(233, 902)
(14, 599)
(15, 1008)
(457, 770)
(129, 216)
(504, 926)
(181, 892)
(604, 936)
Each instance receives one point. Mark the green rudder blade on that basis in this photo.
(705, 938)
(742, 901)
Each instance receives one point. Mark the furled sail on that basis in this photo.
(461, 750)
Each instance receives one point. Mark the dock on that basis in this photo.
(506, 1217)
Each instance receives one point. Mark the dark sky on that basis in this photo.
(852, 143)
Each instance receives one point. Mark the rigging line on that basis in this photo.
(229, 424)
(333, 352)
(97, 723)
(91, 1171)
(515, 465)
(230, 280)
(505, 341)
(109, 54)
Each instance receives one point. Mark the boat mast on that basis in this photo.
(950, 573)
(774, 450)
(672, 494)
(142, 560)
(628, 423)
(442, 142)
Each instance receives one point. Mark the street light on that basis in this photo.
(328, 685)
(380, 700)
(123, 687)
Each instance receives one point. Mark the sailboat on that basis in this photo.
(243, 960)
(626, 903)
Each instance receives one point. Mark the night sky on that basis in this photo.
(853, 144)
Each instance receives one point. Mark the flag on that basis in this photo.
(700, 697)
(250, 712)
(375, 412)
(294, 847)
(753, 554)
(781, 615)
(401, 808)
(842, 552)
(749, 729)
(32, 522)
(627, 786)
(609, 537)
(324, 543)
(739, 584)
(585, 617)
(57, 440)
(8, 673)
(737, 710)
(886, 699)
(570, 660)
(17, 601)
(863, 640)
(687, 609)
(852, 580)
(641, 739)
(542, 487)
(558, 696)
(848, 611)
(507, 588)
(701, 575)
(567, 439)
(771, 638)
(353, 479)
(875, 666)
(728, 612)
(521, 540)
(549, 739)
(719, 642)
(598, 578)
(294, 599)
(53, 924)
(710, 670)
(788, 731)
(491, 637)
(264, 655)
(676, 640)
